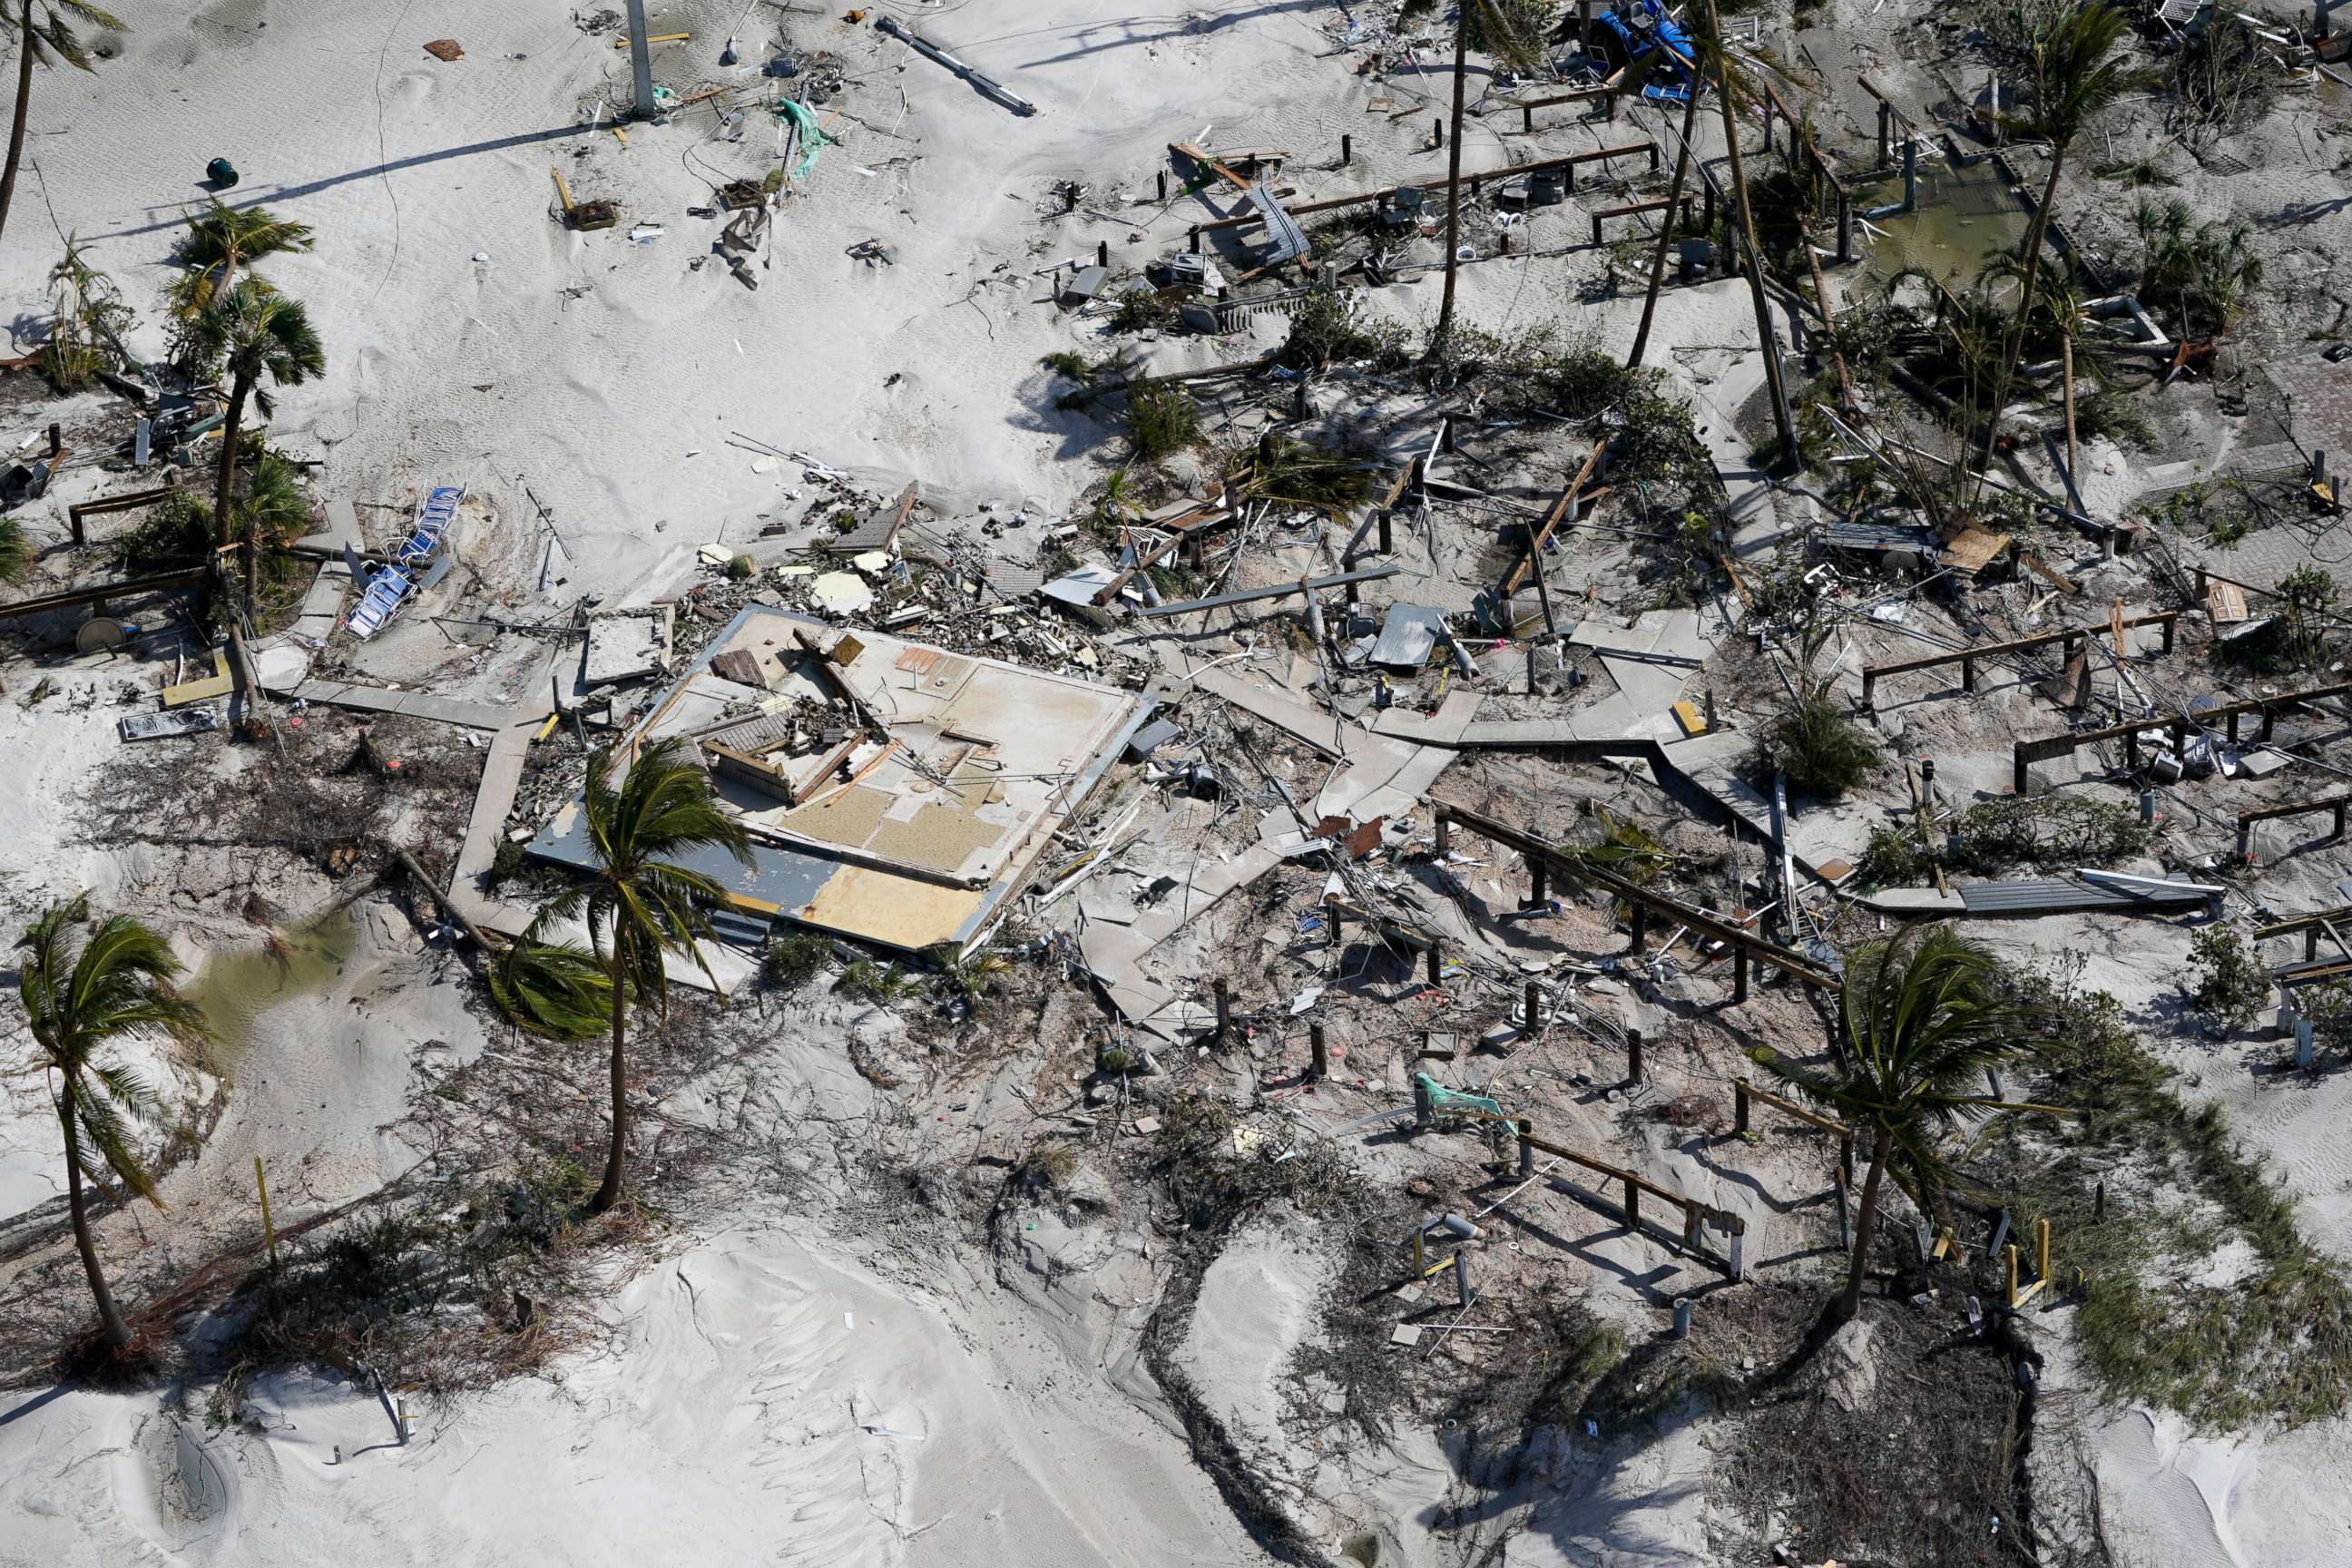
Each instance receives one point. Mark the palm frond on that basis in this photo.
(556, 989)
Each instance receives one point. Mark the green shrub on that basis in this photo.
(1822, 751)
(1160, 420)
(16, 552)
(2044, 832)
(1140, 310)
(508, 858)
(177, 532)
(796, 959)
(880, 983)
(1896, 859)
(740, 568)
(2231, 985)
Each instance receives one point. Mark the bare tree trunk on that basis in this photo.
(110, 1317)
(225, 480)
(2016, 347)
(2066, 366)
(23, 107)
(1766, 339)
(616, 1157)
(1453, 191)
(1666, 232)
(1865, 1222)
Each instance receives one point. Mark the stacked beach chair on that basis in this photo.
(391, 585)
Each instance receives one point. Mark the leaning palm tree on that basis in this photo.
(637, 902)
(42, 43)
(1707, 37)
(2071, 76)
(120, 982)
(1924, 1018)
(1695, 85)
(257, 331)
(217, 242)
(1508, 30)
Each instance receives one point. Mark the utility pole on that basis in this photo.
(641, 60)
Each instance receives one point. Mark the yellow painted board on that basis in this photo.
(1687, 717)
(217, 684)
(750, 905)
(547, 729)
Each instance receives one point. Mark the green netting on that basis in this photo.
(812, 141)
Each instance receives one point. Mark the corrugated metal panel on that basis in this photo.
(2062, 896)
(1871, 536)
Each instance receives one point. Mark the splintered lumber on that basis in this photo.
(1966, 657)
(1543, 533)
(2040, 748)
(1509, 171)
(98, 593)
(2334, 803)
(1570, 863)
(1280, 590)
(1203, 159)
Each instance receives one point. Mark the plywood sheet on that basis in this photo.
(880, 906)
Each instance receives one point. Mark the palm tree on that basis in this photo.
(256, 331)
(1924, 1018)
(2072, 78)
(42, 45)
(1489, 26)
(1708, 39)
(639, 903)
(120, 981)
(218, 241)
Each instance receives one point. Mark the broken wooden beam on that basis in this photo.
(1280, 590)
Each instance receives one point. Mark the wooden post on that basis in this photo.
(1968, 674)
(1347, 149)
(1102, 253)
(269, 1228)
(1163, 184)
(2041, 1248)
(1527, 1146)
(1632, 1206)
(1196, 239)
(1224, 993)
(1640, 926)
(1533, 1005)
(1445, 834)
(1539, 878)
(1632, 1057)
(1318, 1053)
(2010, 1256)
(1388, 544)
(1437, 961)
(1738, 975)
(1439, 144)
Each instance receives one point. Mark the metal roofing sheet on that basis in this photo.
(2062, 895)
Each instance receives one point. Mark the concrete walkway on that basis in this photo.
(416, 705)
(501, 777)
